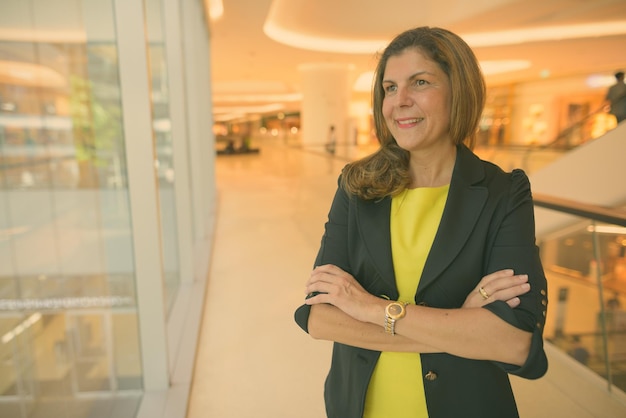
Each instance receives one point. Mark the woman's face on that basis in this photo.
(416, 104)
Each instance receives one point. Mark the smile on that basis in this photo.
(405, 122)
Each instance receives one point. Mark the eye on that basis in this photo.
(420, 82)
(389, 88)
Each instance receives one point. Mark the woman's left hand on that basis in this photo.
(502, 285)
(330, 284)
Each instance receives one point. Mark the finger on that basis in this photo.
(499, 283)
(321, 281)
(497, 275)
(314, 298)
(511, 292)
(319, 285)
(329, 269)
(320, 275)
(504, 283)
(514, 302)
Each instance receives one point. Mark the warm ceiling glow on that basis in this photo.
(256, 98)
(546, 33)
(43, 35)
(318, 43)
(600, 80)
(364, 82)
(507, 37)
(607, 229)
(228, 113)
(27, 74)
(216, 9)
(503, 66)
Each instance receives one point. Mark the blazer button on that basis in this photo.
(430, 376)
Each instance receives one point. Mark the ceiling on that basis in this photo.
(253, 73)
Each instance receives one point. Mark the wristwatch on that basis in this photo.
(393, 312)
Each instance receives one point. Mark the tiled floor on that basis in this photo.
(252, 360)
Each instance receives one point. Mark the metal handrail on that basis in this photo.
(594, 213)
(569, 129)
(555, 144)
(584, 210)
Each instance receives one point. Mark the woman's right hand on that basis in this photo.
(330, 284)
(501, 285)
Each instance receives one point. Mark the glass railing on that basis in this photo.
(588, 128)
(585, 263)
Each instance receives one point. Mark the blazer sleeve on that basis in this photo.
(514, 247)
(333, 248)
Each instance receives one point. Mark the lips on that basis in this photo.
(408, 122)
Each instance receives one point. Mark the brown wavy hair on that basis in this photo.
(386, 172)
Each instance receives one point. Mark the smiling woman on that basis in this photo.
(416, 107)
(428, 280)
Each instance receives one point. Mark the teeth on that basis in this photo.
(411, 120)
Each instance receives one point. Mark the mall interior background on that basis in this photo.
(107, 190)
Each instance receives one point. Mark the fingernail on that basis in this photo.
(526, 286)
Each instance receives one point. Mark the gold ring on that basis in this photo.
(483, 293)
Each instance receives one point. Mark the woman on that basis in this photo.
(428, 278)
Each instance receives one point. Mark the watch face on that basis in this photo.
(395, 310)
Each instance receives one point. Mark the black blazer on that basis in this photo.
(487, 225)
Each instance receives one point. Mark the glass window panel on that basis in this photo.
(164, 148)
(66, 260)
(586, 269)
(127, 362)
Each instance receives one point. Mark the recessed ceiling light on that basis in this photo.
(600, 81)
(275, 31)
(216, 9)
(503, 66)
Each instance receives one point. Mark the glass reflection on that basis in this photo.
(586, 267)
(161, 125)
(68, 320)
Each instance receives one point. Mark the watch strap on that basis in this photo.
(390, 322)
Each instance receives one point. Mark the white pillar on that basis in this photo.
(199, 110)
(194, 110)
(144, 198)
(176, 76)
(325, 101)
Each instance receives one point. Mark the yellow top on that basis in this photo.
(396, 388)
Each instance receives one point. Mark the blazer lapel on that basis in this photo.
(463, 207)
(373, 224)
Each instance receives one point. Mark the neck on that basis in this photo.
(432, 168)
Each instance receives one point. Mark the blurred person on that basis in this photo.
(578, 351)
(332, 140)
(428, 279)
(613, 303)
(616, 97)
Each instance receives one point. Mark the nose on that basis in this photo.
(403, 97)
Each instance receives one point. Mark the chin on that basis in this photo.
(410, 145)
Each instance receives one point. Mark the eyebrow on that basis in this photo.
(412, 77)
